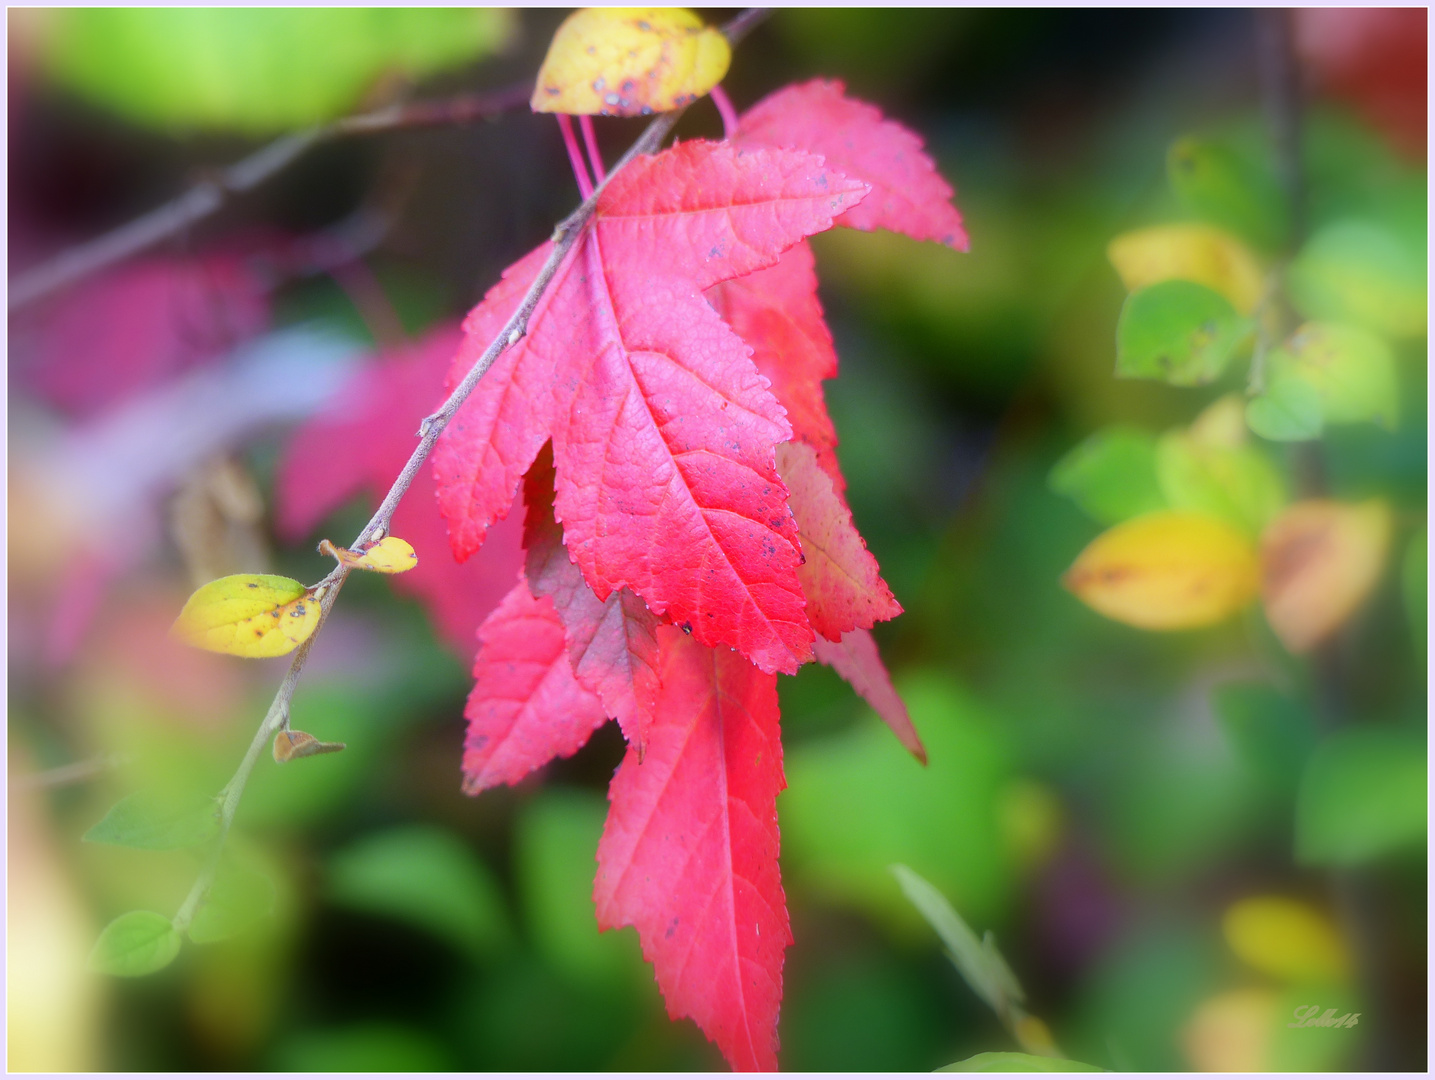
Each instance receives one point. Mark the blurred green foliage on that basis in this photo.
(258, 70)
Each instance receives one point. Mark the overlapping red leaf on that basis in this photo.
(663, 431)
(526, 707)
(689, 852)
(689, 532)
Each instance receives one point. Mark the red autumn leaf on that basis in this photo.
(360, 443)
(611, 643)
(525, 708)
(1374, 58)
(777, 312)
(138, 326)
(663, 431)
(856, 659)
(908, 194)
(839, 576)
(689, 853)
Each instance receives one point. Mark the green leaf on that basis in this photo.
(1111, 475)
(554, 843)
(1287, 411)
(1236, 483)
(427, 877)
(239, 898)
(990, 979)
(1225, 188)
(258, 70)
(1414, 583)
(1358, 271)
(1362, 796)
(1272, 734)
(1351, 370)
(1177, 331)
(158, 821)
(1009, 1061)
(137, 943)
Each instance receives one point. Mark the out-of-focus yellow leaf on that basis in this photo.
(289, 745)
(1221, 423)
(1199, 253)
(1285, 938)
(1169, 570)
(629, 62)
(1319, 560)
(254, 615)
(1232, 1032)
(389, 556)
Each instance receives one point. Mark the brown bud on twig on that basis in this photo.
(296, 744)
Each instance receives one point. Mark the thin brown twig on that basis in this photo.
(207, 197)
(565, 236)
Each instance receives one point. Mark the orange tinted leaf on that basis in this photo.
(1319, 560)
(1233, 1031)
(388, 556)
(629, 62)
(253, 615)
(289, 745)
(1200, 253)
(1169, 570)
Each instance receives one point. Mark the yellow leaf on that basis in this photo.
(1167, 570)
(1221, 423)
(1319, 560)
(252, 615)
(388, 556)
(1200, 253)
(1232, 1031)
(289, 745)
(1285, 938)
(629, 62)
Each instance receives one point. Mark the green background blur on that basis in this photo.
(1086, 799)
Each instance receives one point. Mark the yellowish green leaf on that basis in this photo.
(1288, 410)
(1007, 1061)
(253, 615)
(1177, 331)
(1359, 271)
(136, 943)
(1285, 938)
(1235, 483)
(258, 70)
(1319, 560)
(1189, 252)
(1170, 570)
(387, 556)
(629, 62)
(1351, 370)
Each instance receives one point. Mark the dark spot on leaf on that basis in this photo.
(252, 585)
